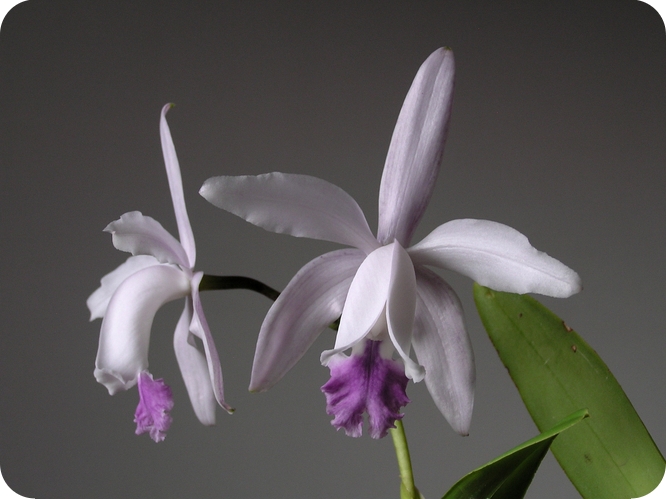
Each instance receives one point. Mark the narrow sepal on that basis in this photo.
(415, 152)
(194, 368)
(199, 327)
(443, 347)
(298, 205)
(176, 189)
(497, 256)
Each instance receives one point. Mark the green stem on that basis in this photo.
(408, 489)
(211, 282)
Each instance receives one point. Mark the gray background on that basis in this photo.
(557, 130)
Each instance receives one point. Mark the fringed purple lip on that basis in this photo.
(366, 383)
(155, 402)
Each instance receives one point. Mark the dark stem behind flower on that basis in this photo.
(211, 282)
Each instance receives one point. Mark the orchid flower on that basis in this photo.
(160, 270)
(387, 299)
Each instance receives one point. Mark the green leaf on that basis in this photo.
(509, 476)
(610, 455)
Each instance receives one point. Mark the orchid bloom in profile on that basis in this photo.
(160, 270)
(387, 299)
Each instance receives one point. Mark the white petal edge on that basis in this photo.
(311, 301)
(400, 307)
(194, 368)
(415, 153)
(442, 345)
(176, 188)
(366, 301)
(99, 299)
(298, 205)
(496, 256)
(141, 235)
(125, 332)
(199, 327)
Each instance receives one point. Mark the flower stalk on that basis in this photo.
(408, 488)
(213, 282)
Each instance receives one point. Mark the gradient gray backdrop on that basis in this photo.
(558, 130)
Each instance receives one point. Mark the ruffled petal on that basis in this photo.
(194, 368)
(312, 300)
(400, 307)
(142, 235)
(176, 188)
(368, 383)
(496, 256)
(155, 401)
(125, 333)
(298, 205)
(442, 345)
(365, 305)
(199, 327)
(415, 153)
(99, 300)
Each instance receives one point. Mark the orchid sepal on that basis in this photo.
(497, 256)
(312, 300)
(298, 205)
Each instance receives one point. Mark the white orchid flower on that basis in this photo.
(161, 270)
(387, 299)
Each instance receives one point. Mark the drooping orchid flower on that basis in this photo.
(160, 270)
(387, 299)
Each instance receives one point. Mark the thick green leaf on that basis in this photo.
(610, 455)
(509, 476)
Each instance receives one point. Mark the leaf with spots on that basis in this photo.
(610, 455)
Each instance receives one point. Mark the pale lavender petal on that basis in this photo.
(298, 205)
(365, 306)
(176, 188)
(125, 333)
(199, 327)
(99, 300)
(400, 307)
(312, 300)
(155, 402)
(496, 256)
(142, 235)
(415, 153)
(365, 383)
(194, 368)
(442, 345)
